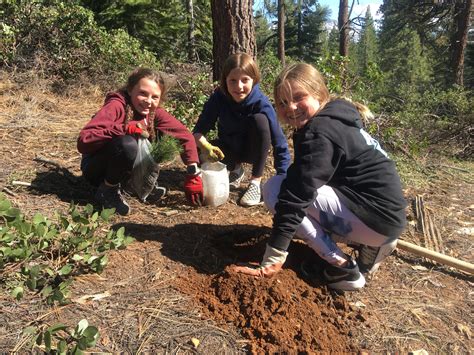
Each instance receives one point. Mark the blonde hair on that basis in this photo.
(243, 62)
(365, 114)
(311, 80)
(305, 76)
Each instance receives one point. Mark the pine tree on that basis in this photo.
(367, 45)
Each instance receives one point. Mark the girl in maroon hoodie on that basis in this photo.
(108, 142)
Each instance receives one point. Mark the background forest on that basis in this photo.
(399, 65)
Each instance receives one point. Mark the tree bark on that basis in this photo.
(281, 32)
(459, 40)
(343, 25)
(233, 31)
(192, 55)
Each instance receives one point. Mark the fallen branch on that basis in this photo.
(8, 191)
(21, 183)
(433, 255)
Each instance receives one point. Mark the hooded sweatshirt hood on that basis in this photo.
(342, 110)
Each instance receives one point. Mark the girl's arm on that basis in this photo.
(281, 153)
(208, 117)
(106, 124)
(316, 160)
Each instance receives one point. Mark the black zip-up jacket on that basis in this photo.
(333, 149)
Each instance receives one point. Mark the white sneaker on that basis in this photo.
(252, 196)
(235, 177)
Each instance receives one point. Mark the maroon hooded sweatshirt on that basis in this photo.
(109, 122)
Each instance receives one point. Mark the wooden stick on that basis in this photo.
(433, 255)
(21, 183)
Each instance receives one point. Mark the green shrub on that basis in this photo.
(62, 40)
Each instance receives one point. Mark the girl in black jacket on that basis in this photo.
(341, 186)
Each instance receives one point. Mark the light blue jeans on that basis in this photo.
(327, 221)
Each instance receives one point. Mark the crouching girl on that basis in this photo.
(341, 186)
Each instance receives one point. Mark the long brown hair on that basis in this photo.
(133, 79)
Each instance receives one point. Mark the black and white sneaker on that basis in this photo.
(235, 177)
(346, 278)
(252, 196)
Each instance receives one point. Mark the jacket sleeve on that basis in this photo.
(208, 117)
(106, 124)
(281, 153)
(313, 167)
(168, 124)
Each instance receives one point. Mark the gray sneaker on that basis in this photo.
(236, 177)
(252, 196)
(369, 258)
(111, 197)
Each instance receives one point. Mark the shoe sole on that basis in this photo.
(345, 285)
(251, 204)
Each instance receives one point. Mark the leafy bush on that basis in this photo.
(42, 256)
(270, 67)
(59, 339)
(195, 87)
(62, 40)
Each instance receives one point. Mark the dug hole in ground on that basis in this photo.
(170, 291)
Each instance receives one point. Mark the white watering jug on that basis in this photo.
(215, 181)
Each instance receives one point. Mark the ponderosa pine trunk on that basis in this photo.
(233, 31)
(459, 40)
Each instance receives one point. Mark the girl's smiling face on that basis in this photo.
(239, 84)
(145, 96)
(296, 106)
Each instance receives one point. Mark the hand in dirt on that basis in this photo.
(272, 262)
(260, 271)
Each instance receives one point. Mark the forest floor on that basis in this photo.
(172, 285)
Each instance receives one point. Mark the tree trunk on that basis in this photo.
(343, 25)
(281, 32)
(459, 40)
(192, 56)
(233, 31)
(299, 36)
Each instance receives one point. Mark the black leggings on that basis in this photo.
(113, 163)
(253, 148)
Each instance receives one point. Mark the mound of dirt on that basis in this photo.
(282, 314)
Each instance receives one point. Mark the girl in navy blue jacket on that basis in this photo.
(246, 126)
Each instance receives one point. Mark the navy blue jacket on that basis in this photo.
(230, 117)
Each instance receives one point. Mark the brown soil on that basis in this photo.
(174, 283)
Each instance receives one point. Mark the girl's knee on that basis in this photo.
(126, 146)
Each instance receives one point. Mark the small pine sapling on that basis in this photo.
(165, 149)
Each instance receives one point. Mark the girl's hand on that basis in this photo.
(215, 153)
(272, 262)
(136, 128)
(260, 271)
